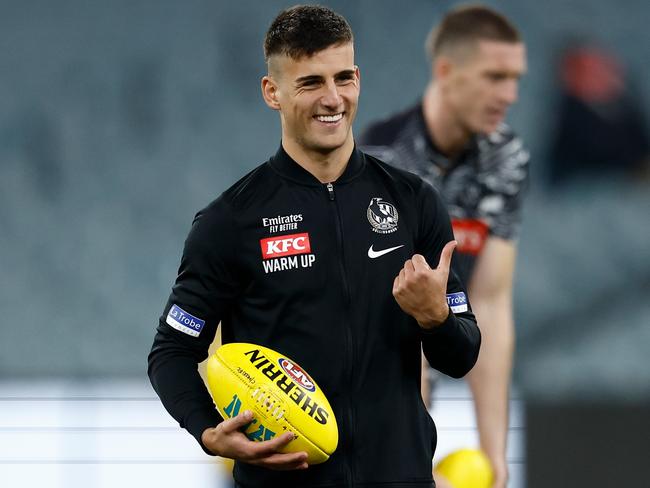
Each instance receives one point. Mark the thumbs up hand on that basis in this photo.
(422, 291)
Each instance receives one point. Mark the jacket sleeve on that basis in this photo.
(205, 287)
(452, 347)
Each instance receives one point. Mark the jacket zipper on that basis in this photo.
(349, 347)
(330, 192)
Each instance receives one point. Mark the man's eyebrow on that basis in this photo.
(304, 79)
(346, 73)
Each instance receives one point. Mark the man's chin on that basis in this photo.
(486, 129)
(492, 126)
(328, 146)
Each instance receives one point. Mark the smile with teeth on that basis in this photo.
(329, 118)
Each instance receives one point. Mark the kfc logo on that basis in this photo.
(289, 245)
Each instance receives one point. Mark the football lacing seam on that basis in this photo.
(259, 398)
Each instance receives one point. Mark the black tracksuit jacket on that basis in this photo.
(287, 262)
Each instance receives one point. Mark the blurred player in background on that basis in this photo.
(455, 138)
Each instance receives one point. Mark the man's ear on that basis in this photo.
(270, 92)
(442, 66)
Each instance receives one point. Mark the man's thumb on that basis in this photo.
(445, 255)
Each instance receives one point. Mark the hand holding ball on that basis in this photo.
(281, 395)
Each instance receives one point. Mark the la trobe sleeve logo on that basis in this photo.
(383, 216)
(183, 321)
(457, 302)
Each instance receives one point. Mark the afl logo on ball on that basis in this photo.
(382, 216)
(296, 373)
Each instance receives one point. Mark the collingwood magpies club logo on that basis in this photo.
(382, 216)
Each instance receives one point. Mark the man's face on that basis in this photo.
(317, 97)
(480, 88)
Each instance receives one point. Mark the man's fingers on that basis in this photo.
(237, 422)
(284, 462)
(267, 448)
(419, 262)
(266, 454)
(445, 255)
(395, 284)
(278, 460)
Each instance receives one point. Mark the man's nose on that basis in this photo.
(510, 91)
(331, 98)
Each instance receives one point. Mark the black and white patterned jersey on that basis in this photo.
(483, 188)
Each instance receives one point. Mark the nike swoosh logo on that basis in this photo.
(372, 254)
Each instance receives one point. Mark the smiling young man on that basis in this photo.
(316, 96)
(331, 257)
(455, 138)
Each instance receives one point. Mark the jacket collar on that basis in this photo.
(283, 164)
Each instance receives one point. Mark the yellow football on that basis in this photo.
(281, 395)
(466, 468)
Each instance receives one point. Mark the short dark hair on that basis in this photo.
(303, 30)
(467, 25)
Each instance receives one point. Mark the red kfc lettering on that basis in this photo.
(275, 247)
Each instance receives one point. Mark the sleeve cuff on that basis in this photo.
(201, 420)
(448, 326)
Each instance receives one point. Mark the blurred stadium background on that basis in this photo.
(120, 119)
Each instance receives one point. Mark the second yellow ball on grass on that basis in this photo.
(466, 468)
